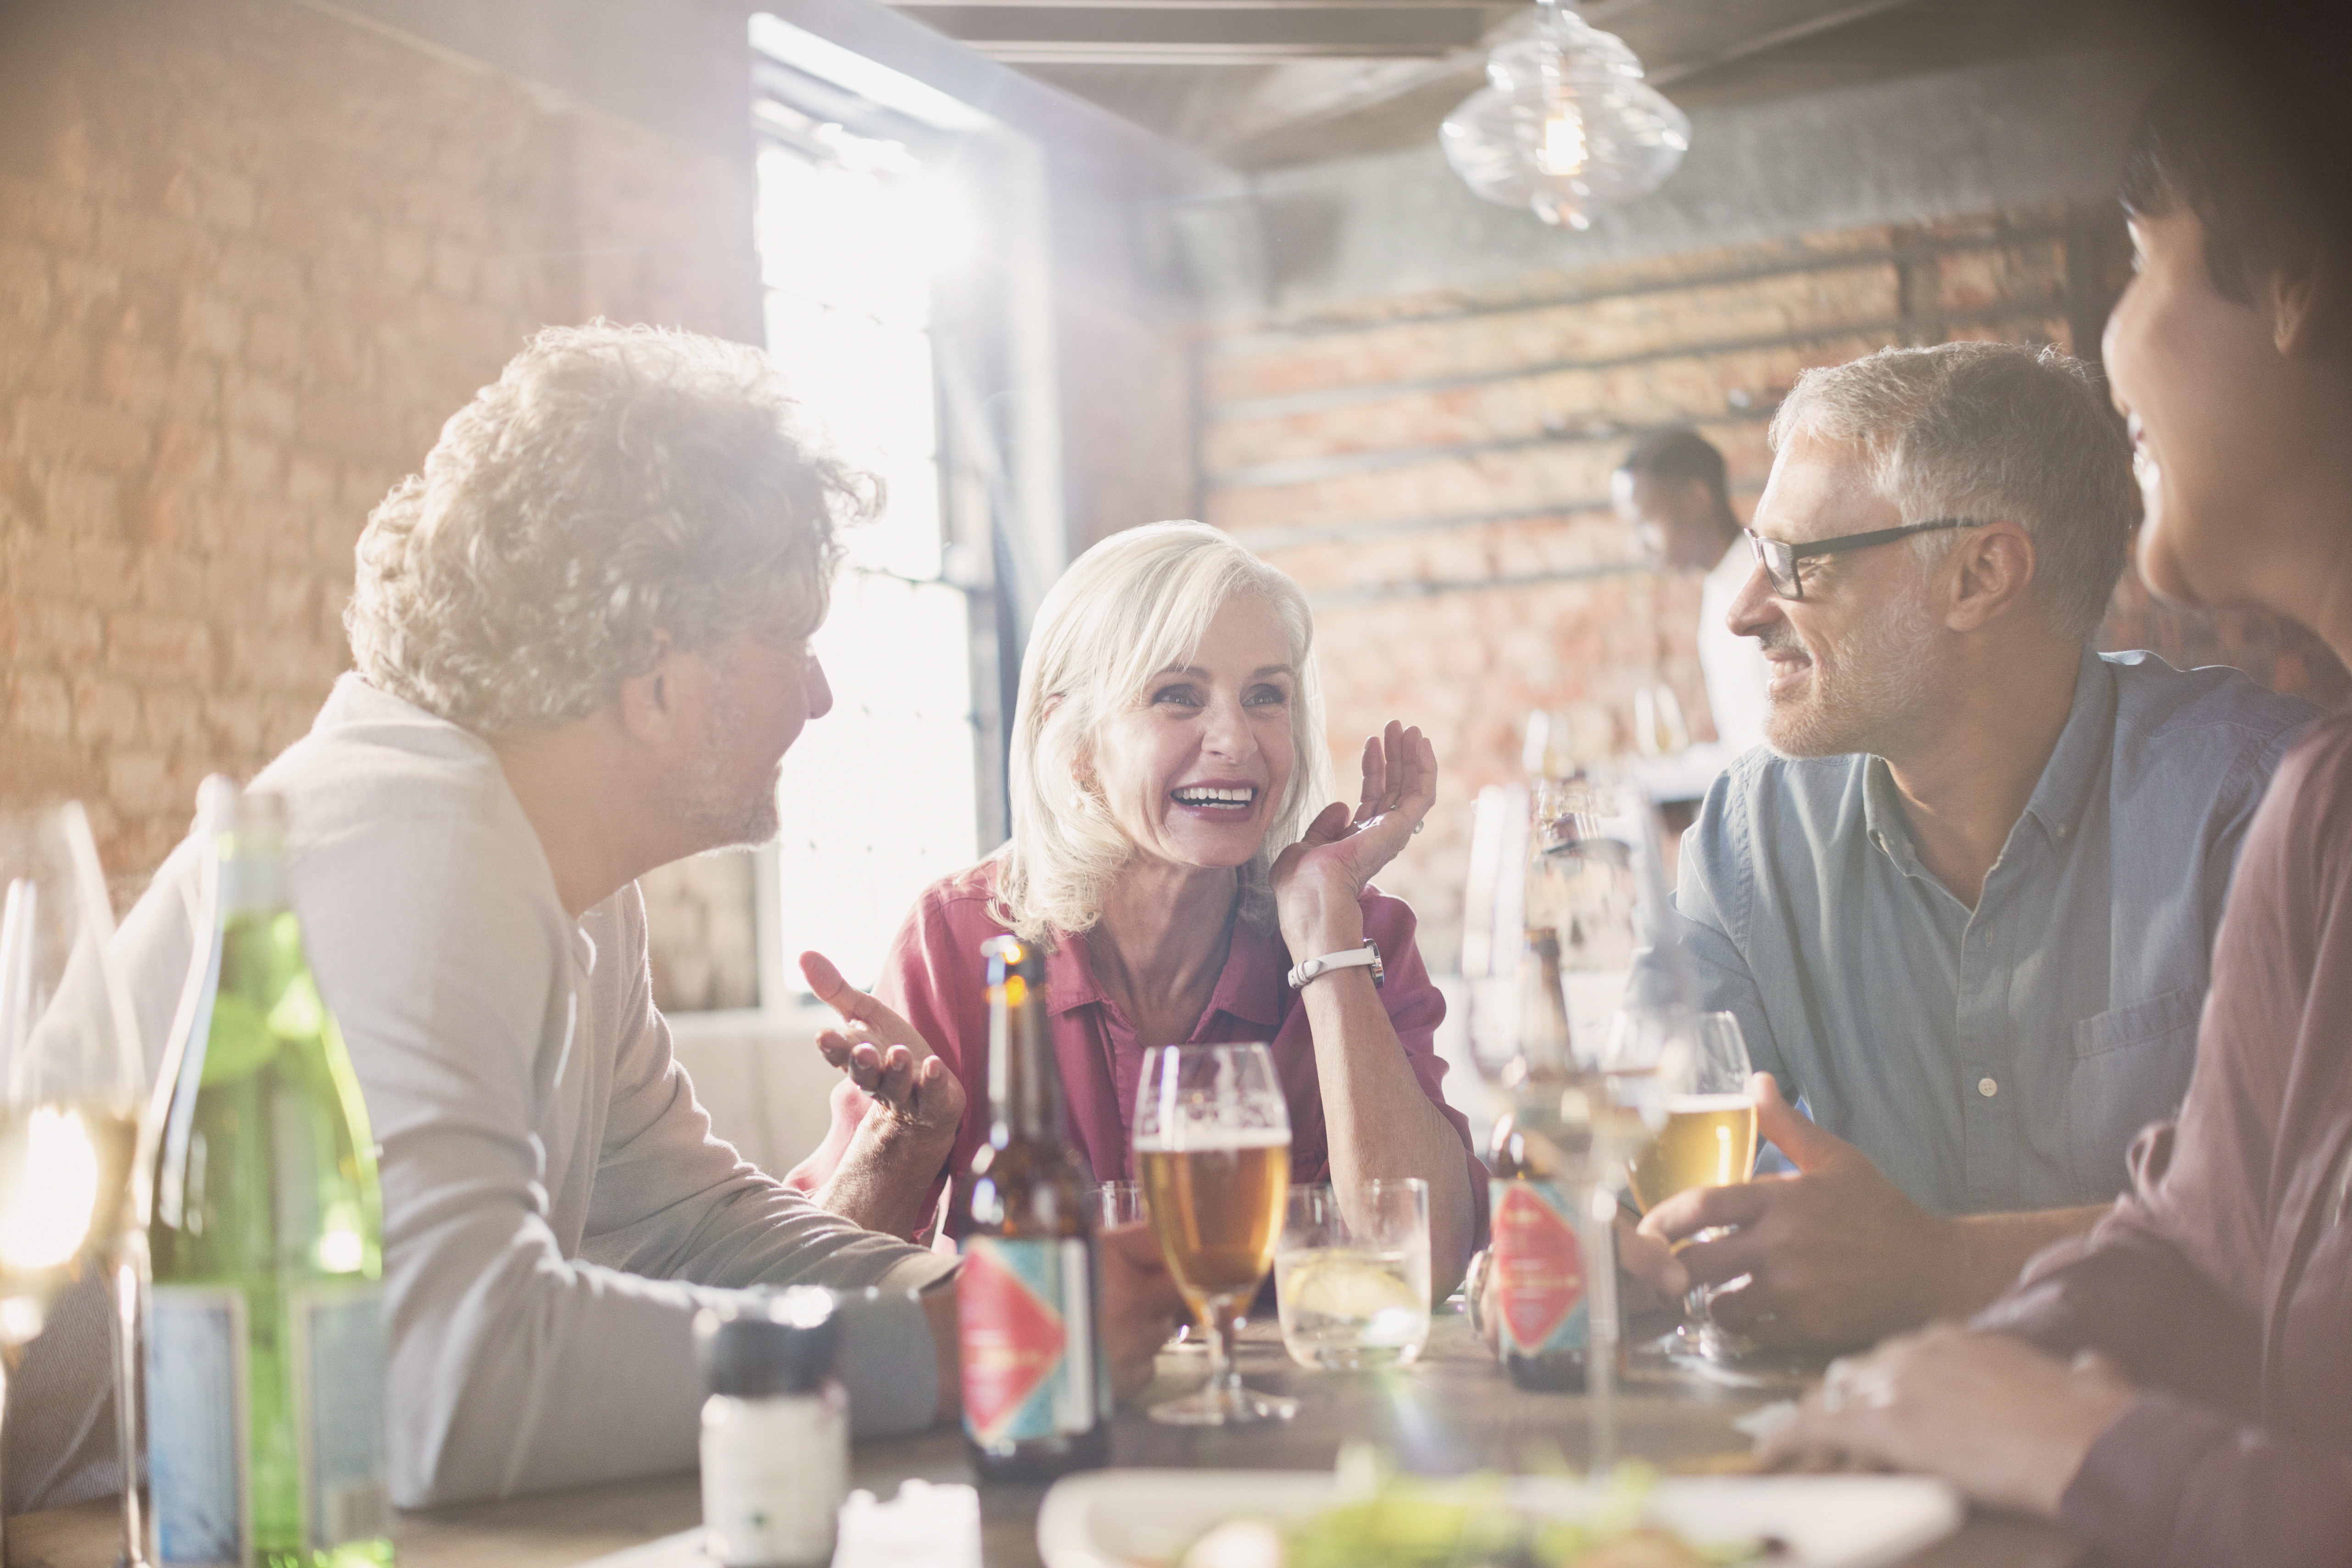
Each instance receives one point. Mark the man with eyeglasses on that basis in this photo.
(1962, 904)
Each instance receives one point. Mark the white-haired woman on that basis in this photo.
(1172, 848)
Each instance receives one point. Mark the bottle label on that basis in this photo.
(775, 1472)
(1024, 1311)
(338, 1356)
(196, 1425)
(1539, 1267)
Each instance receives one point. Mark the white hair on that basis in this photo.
(613, 484)
(1134, 605)
(1989, 431)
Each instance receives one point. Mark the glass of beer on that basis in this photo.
(1213, 1148)
(1708, 1140)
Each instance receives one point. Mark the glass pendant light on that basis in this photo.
(1565, 123)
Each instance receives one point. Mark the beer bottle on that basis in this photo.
(1037, 1375)
(265, 1342)
(1535, 1264)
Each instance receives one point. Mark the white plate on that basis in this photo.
(1145, 1519)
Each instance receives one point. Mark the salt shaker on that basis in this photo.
(775, 1430)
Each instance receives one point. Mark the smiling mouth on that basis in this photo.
(1783, 667)
(2143, 465)
(1236, 799)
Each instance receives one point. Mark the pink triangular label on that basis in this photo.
(1012, 1341)
(1539, 1270)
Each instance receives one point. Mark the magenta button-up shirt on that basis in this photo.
(936, 978)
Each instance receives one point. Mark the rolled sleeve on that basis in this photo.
(2174, 1485)
(886, 1358)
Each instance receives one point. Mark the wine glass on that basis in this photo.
(1212, 1147)
(1707, 1139)
(1565, 895)
(72, 1084)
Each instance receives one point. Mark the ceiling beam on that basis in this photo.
(1107, 35)
(1414, 6)
(1678, 41)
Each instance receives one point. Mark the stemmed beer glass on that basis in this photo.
(1708, 1140)
(72, 1084)
(1213, 1149)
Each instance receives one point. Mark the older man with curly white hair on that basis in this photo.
(581, 636)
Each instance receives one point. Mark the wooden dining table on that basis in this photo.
(1452, 1411)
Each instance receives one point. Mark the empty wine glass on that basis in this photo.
(72, 1081)
(1565, 897)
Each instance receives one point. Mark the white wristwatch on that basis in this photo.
(1369, 955)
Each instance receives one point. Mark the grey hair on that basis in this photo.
(613, 483)
(1134, 605)
(1991, 431)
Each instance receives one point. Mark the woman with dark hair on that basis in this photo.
(2177, 1386)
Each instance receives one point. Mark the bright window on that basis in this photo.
(880, 797)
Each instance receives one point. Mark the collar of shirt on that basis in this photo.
(1249, 988)
(2076, 763)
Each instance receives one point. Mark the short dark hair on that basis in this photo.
(2251, 141)
(1678, 455)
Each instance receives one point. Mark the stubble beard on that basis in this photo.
(720, 815)
(1879, 688)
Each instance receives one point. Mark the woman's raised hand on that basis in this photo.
(1341, 851)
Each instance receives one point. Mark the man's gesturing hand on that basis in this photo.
(1837, 1256)
(909, 1124)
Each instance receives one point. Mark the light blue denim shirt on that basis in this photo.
(2001, 1059)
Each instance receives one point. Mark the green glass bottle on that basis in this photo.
(265, 1343)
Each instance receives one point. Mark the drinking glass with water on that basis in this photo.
(1351, 1274)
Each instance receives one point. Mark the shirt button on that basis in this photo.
(1988, 1088)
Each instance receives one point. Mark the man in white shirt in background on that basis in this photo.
(581, 636)
(1670, 491)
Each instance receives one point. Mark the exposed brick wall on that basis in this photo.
(252, 254)
(1435, 470)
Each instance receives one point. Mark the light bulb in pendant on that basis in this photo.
(1565, 124)
(1562, 153)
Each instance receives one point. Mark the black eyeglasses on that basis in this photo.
(1778, 558)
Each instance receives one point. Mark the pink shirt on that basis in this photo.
(2223, 1280)
(937, 980)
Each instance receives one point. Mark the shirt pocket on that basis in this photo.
(2131, 1068)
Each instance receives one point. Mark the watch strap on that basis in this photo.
(1365, 956)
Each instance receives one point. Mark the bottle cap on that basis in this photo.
(223, 808)
(759, 1346)
(1010, 955)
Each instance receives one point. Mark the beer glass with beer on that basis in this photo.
(1213, 1148)
(1708, 1140)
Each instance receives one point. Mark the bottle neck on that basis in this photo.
(1544, 1046)
(252, 875)
(1024, 1080)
